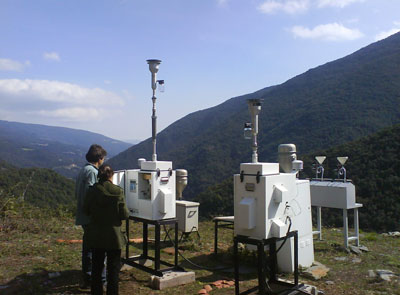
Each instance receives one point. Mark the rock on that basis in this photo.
(385, 275)
(364, 248)
(371, 274)
(355, 250)
(329, 283)
(317, 271)
(356, 260)
(202, 291)
(395, 234)
(208, 288)
(342, 258)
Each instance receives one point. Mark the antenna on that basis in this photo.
(153, 67)
(255, 109)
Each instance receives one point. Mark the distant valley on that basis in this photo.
(60, 149)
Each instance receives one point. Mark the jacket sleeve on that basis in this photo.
(123, 210)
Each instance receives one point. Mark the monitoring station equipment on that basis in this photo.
(337, 193)
(270, 200)
(150, 194)
(150, 191)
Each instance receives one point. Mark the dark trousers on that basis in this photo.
(87, 260)
(113, 267)
(86, 257)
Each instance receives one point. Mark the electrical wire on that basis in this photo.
(191, 262)
(284, 241)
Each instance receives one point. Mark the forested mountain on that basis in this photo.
(37, 186)
(329, 105)
(58, 148)
(373, 166)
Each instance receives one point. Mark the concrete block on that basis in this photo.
(172, 279)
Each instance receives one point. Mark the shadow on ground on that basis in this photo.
(45, 282)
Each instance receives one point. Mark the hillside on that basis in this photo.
(33, 260)
(374, 167)
(58, 148)
(36, 186)
(326, 106)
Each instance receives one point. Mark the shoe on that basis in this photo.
(84, 284)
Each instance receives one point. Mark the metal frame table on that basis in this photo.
(261, 272)
(133, 261)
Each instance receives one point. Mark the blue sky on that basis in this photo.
(82, 64)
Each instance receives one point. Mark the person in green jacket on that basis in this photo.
(87, 177)
(105, 205)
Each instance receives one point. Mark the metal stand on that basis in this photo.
(227, 222)
(133, 261)
(346, 238)
(263, 286)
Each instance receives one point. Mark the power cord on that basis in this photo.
(191, 262)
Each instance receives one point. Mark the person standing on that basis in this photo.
(86, 178)
(105, 205)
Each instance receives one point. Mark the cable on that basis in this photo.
(284, 241)
(192, 263)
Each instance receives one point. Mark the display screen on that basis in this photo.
(132, 186)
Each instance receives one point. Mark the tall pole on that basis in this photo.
(255, 109)
(153, 67)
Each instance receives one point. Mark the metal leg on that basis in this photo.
(345, 228)
(319, 224)
(296, 258)
(157, 247)
(176, 243)
(145, 239)
(260, 266)
(236, 265)
(356, 227)
(216, 237)
(274, 261)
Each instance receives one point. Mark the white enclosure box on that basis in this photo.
(261, 168)
(264, 203)
(341, 195)
(187, 214)
(150, 194)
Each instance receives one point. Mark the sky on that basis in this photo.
(82, 63)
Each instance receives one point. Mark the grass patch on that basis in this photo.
(33, 262)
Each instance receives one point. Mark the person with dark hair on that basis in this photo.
(105, 205)
(87, 177)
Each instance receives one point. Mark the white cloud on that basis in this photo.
(287, 6)
(337, 3)
(56, 91)
(328, 32)
(53, 56)
(13, 65)
(222, 2)
(385, 34)
(73, 114)
(64, 101)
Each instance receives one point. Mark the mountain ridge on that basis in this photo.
(325, 106)
(59, 148)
